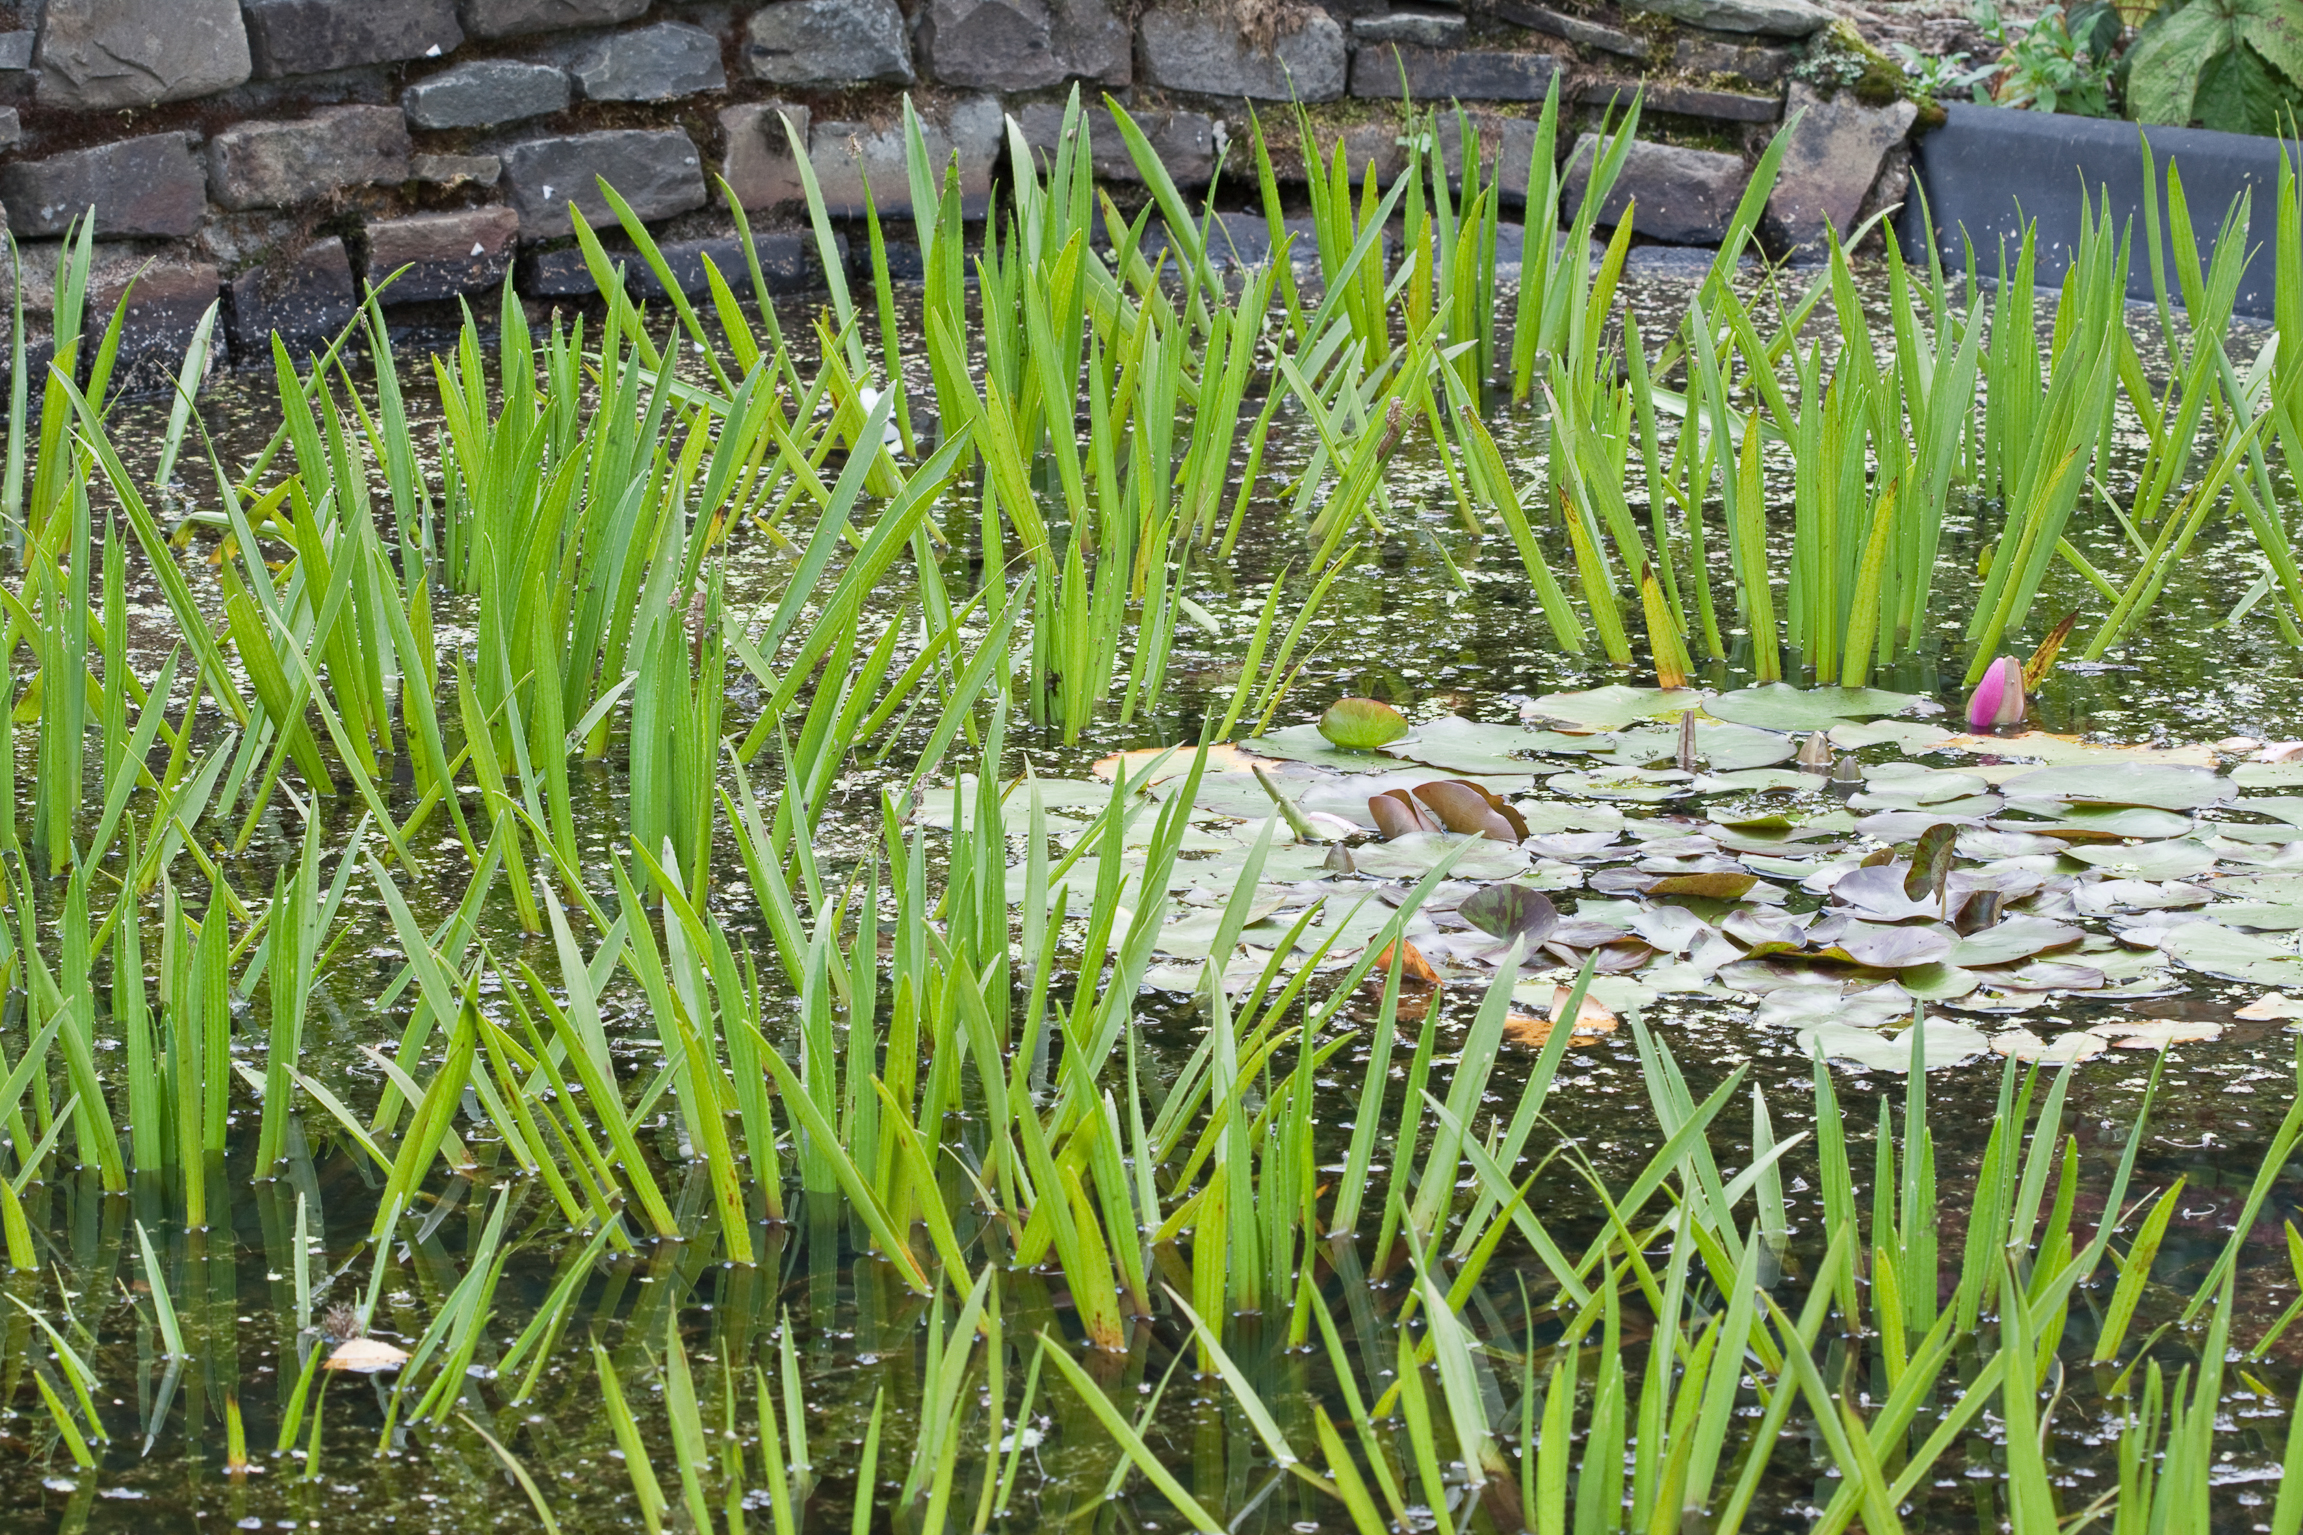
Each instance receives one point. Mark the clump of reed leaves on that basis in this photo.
(705, 1055)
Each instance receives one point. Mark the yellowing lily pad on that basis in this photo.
(2061, 751)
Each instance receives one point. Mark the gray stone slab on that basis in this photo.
(135, 53)
(1686, 100)
(656, 171)
(1712, 55)
(279, 165)
(447, 255)
(1189, 48)
(1421, 29)
(828, 42)
(788, 264)
(307, 37)
(1506, 147)
(657, 63)
(150, 186)
(758, 162)
(483, 92)
(512, 18)
(1454, 74)
(1833, 158)
(787, 259)
(1680, 196)
(16, 50)
(1023, 45)
(1767, 18)
(1184, 141)
(845, 155)
(1988, 169)
(1581, 31)
(305, 299)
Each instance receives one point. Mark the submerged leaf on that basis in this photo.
(1942, 1042)
(2063, 1050)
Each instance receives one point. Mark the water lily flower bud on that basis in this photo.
(1998, 698)
(1815, 753)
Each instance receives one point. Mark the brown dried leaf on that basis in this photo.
(1414, 969)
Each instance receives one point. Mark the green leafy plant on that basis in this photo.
(2061, 62)
(2236, 65)
(1941, 76)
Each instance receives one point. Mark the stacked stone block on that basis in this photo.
(287, 156)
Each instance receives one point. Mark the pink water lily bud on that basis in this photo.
(1998, 698)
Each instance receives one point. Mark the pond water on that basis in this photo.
(1435, 620)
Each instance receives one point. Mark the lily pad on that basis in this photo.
(1876, 891)
(2259, 916)
(1194, 936)
(2286, 889)
(2016, 938)
(2160, 786)
(2182, 859)
(1510, 911)
(1938, 983)
(1780, 706)
(1942, 1042)
(2232, 955)
(2268, 775)
(1161, 763)
(1414, 856)
(1458, 745)
(2102, 821)
(1361, 724)
(1879, 946)
(1649, 786)
(1304, 743)
(1806, 1007)
(1907, 735)
(1764, 780)
(1615, 706)
(2059, 751)
(1722, 748)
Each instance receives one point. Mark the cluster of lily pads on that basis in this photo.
(1830, 856)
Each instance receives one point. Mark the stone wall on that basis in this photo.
(286, 153)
